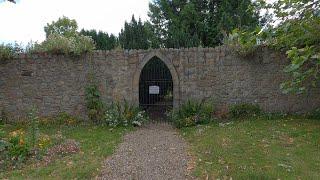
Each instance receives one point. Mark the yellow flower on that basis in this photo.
(71, 121)
(44, 120)
(21, 141)
(129, 115)
(44, 141)
(16, 133)
(13, 134)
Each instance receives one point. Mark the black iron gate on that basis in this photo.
(156, 89)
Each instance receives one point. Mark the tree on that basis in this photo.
(103, 40)
(295, 29)
(189, 23)
(175, 23)
(224, 16)
(63, 26)
(153, 40)
(62, 38)
(299, 35)
(137, 35)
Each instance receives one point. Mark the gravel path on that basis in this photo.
(155, 151)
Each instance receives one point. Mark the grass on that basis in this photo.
(96, 143)
(284, 148)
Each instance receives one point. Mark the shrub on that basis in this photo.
(36, 141)
(192, 113)
(274, 115)
(59, 44)
(315, 114)
(34, 127)
(118, 114)
(54, 44)
(18, 147)
(64, 118)
(244, 110)
(244, 43)
(14, 150)
(8, 51)
(3, 117)
(44, 141)
(81, 45)
(222, 112)
(4, 153)
(94, 104)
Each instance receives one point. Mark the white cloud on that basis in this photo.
(25, 20)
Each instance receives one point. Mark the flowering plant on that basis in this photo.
(44, 141)
(124, 115)
(17, 147)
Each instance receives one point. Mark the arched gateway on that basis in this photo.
(156, 83)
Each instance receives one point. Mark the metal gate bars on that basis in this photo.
(156, 89)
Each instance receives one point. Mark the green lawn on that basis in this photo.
(258, 148)
(96, 143)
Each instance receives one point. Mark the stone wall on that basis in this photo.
(56, 83)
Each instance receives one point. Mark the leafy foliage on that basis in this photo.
(298, 33)
(61, 119)
(94, 103)
(63, 38)
(8, 51)
(63, 26)
(192, 113)
(59, 44)
(19, 146)
(102, 40)
(118, 114)
(66, 119)
(303, 69)
(315, 114)
(136, 35)
(244, 110)
(34, 127)
(184, 23)
(4, 117)
(245, 43)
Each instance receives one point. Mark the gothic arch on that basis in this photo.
(174, 74)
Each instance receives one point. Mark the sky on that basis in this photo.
(24, 21)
